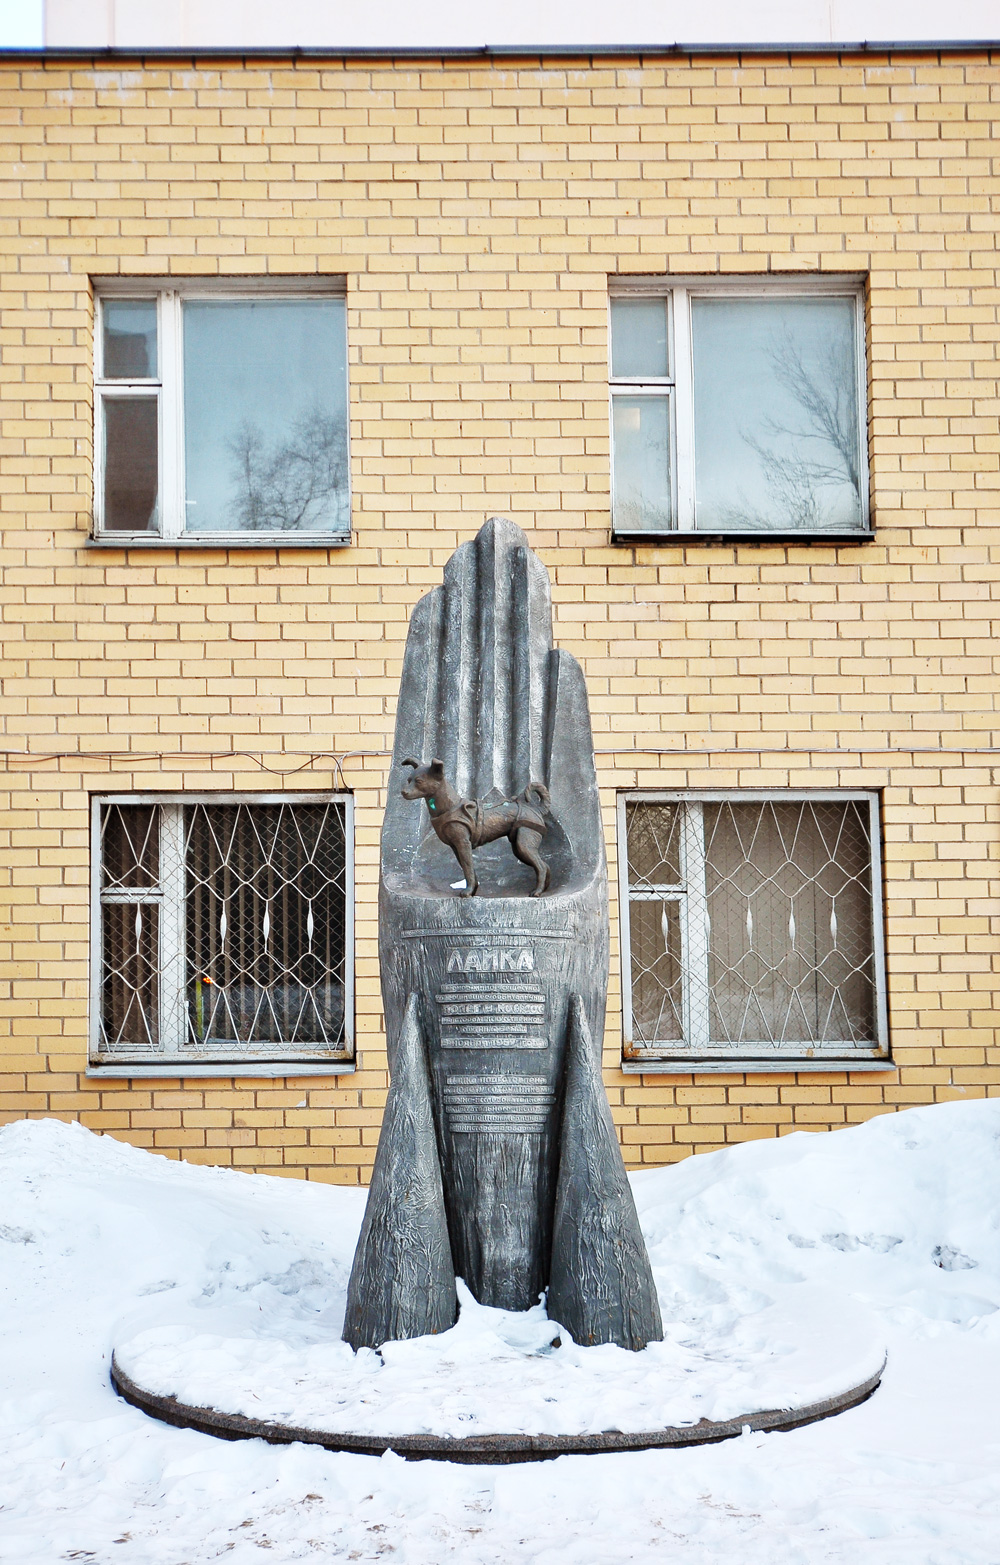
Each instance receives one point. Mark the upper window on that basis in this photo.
(738, 409)
(222, 933)
(751, 930)
(221, 417)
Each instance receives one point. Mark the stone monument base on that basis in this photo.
(483, 1449)
(505, 1386)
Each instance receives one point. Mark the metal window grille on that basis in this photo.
(224, 930)
(751, 928)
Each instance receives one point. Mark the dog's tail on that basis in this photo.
(542, 793)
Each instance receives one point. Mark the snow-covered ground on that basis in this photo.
(99, 1242)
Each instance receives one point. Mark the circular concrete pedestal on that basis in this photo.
(498, 1448)
(506, 1386)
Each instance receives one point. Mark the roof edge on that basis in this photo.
(860, 47)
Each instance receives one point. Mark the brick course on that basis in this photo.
(476, 210)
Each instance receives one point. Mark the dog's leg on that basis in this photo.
(460, 844)
(525, 843)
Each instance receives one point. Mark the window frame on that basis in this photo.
(677, 292)
(139, 1063)
(170, 294)
(682, 1058)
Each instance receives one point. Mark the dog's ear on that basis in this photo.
(437, 767)
(409, 763)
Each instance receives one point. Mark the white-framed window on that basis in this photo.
(222, 933)
(751, 928)
(738, 408)
(220, 412)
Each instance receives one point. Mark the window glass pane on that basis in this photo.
(129, 978)
(130, 846)
(642, 500)
(777, 436)
(130, 464)
(653, 844)
(638, 338)
(265, 925)
(656, 972)
(265, 416)
(129, 339)
(789, 915)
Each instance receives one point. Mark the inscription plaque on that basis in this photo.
(492, 1013)
(476, 1104)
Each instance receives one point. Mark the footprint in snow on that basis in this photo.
(951, 1260)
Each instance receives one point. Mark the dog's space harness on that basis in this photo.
(470, 813)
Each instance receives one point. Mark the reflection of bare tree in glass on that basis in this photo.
(294, 485)
(825, 455)
(641, 464)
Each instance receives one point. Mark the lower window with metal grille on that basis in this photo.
(751, 931)
(223, 933)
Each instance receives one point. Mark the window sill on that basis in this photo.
(675, 538)
(741, 1065)
(220, 1070)
(221, 541)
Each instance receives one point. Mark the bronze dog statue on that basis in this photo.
(465, 824)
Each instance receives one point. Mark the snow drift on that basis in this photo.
(99, 1241)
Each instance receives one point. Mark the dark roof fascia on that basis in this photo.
(948, 46)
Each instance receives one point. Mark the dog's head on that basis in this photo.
(426, 780)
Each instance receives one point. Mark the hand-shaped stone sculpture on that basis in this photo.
(498, 1160)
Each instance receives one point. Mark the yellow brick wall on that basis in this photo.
(476, 210)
